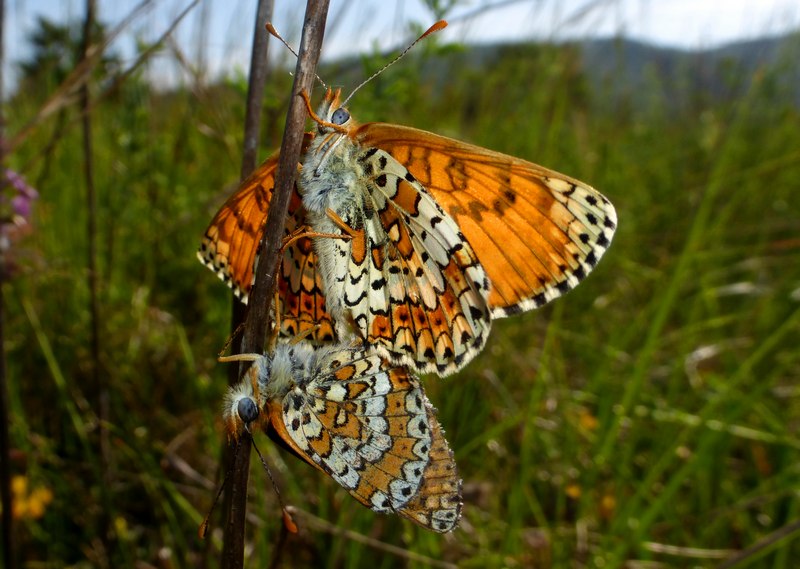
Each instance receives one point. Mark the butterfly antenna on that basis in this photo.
(233, 335)
(274, 33)
(202, 531)
(440, 25)
(288, 521)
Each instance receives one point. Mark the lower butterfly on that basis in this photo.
(362, 421)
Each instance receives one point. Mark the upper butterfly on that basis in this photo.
(444, 237)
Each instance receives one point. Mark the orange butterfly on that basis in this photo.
(432, 217)
(365, 423)
(444, 236)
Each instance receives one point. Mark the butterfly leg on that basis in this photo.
(349, 232)
(302, 232)
(276, 324)
(304, 334)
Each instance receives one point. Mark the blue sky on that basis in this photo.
(356, 25)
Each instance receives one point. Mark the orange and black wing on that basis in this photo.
(536, 232)
(369, 426)
(230, 249)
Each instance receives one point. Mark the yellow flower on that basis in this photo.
(573, 491)
(587, 421)
(29, 505)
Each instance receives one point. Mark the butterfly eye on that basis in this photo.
(340, 116)
(248, 410)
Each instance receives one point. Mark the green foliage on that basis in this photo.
(651, 415)
(56, 50)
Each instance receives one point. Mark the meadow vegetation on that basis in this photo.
(651, 418)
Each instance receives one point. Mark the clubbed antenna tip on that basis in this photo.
(274, 33)
(440, 25)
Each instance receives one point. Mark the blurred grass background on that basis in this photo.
(648, 419)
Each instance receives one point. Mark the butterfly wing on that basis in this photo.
(370, 427)
(408, 281)
(536, 232)
(300, 293)
(432, 308)
(437, 505)
(229, 248)
(229, 244)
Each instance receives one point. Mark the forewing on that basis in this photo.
(230, 243)
(536, 232)
(229, 248)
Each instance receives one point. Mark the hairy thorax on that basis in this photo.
(329, 177)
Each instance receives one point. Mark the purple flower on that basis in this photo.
(22, 195)
(16, 207)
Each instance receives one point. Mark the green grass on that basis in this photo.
(649, 418)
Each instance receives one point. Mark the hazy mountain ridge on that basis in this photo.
(717, 73)
(623, 69)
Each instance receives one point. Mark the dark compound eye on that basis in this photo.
(247, 409)
(340, 116)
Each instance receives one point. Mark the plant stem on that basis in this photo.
(96, 385)
(257, 322)
(255, 90)
(232, 460)
(9, 551)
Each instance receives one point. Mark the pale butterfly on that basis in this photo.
(363, 422)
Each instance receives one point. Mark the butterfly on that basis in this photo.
(365, 423)
(442, 237)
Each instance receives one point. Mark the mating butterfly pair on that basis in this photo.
(442, 237)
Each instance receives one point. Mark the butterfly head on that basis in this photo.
(331, 117)
(244, 402)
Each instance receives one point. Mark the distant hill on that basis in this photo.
(717, 73)
(622, 69)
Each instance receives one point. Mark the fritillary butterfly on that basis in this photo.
(444, 236)
(362, 421)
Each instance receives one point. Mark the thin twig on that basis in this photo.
(257, 322)
(260, 298)
(400, 552)
(9, 547)
(762, 544)
(91, 233)
(108, 91)
(96, 386)
(145, 55)
(64, 95)
(255, 94)
(691, 552)
(202, 44)
(233, 461)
